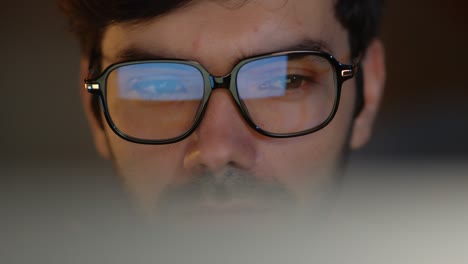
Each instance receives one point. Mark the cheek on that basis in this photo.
(302, 164)
(146, 170)
(309, 163)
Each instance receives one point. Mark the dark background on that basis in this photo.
(424, 113)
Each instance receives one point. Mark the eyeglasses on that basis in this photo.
(281, 95)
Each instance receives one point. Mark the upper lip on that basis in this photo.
(234, 206)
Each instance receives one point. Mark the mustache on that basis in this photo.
(231, 184)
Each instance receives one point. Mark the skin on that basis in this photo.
(217, 39)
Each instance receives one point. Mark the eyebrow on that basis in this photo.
(309, 44)
(133, 53)
(137, 53)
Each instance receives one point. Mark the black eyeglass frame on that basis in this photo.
(343, 72)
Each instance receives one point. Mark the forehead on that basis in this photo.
(206, 30)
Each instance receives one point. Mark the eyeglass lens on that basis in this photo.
(281, 94)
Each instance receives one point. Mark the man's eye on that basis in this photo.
(287, 82)
(157, 86)
(155, 89)
(295, 81)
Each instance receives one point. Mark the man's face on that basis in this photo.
(225, 165)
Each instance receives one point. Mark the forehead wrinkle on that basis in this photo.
(268, 5)
(230, 41)
(231, 4)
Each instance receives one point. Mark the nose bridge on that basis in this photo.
(220, 82)
(224, 82)
(222, 138)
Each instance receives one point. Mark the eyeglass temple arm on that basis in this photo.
(349, 71)
(91, 86)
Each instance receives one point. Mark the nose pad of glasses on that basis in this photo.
(220, 82)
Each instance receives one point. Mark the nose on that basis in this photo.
(222, 139)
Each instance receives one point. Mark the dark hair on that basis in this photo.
(89, 18)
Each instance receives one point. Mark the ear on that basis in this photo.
(97, 130)
(373, 65)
